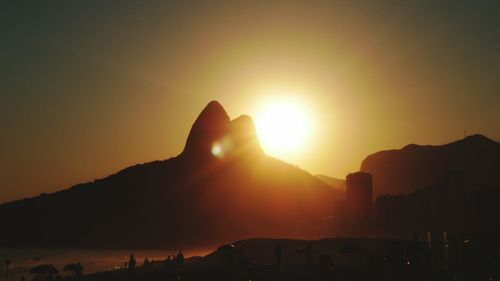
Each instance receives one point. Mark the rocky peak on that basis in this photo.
(212, 123)
(213, 126)
(244, 135)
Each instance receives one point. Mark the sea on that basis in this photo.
(93, 260)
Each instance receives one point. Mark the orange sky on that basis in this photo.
(90, 88)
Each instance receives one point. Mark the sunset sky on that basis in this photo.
(88, 88)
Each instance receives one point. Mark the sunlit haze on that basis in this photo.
(284, 125)
(91, 87)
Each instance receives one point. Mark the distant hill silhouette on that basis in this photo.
(262, 250)
(414, 166)
(222, 187)
(333, 182)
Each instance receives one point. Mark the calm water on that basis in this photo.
(93, 260)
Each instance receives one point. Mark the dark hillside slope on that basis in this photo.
(414, 166)
(202, 197)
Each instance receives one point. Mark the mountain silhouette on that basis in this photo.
(415, 166)
(222, 187)
(212, 124)
(333, 182)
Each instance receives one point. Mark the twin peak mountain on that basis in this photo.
(221, 188)
(214, 130)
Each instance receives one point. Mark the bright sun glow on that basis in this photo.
(283, 126)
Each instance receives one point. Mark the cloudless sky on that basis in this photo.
(90, 87)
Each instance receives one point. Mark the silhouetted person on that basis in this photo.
(168, 263)
(278, 253)
(180, 259)
(79, 271)
(7, 267)
(131, 263)
(309, 260)
(146, 264)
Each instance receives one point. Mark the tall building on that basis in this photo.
(359, 192)
(354, 215)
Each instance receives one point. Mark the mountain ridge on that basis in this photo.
(221, 184)
(401, 171)
(336, 183)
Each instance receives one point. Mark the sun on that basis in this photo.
(283, 126)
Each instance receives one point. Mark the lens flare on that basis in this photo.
(217, 150)
(222, 148)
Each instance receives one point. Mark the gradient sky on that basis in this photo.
(88, 88)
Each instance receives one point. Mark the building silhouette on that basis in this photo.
(359, 191)
(354, 214)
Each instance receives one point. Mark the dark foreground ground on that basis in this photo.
(293, 273)
(326, 259)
